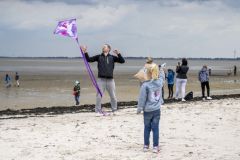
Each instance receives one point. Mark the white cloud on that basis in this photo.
(38, 14)
(166, 28)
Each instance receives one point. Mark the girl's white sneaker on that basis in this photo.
(156, 150)
(145, 148)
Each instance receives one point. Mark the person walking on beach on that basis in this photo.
(203, 77)
(7, 81)
(76, 91)
(170, 79)
(181, 79)
(17, 77)
(149, 101)
(106, 63)
(235, 70)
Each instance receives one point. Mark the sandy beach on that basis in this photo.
(75, 74)
(188, 131)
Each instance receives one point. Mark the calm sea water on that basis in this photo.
(69, 66)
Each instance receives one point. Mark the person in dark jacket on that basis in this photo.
(170, 79)
(17, 77)
(235, 70)
(203, 77)
(76, 92)
(106, 64)
(181, 78)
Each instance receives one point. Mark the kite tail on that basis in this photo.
(93, 79)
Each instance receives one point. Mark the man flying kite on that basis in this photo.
(105, 60)
(106, 63)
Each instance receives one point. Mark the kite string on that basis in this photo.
(89, 70)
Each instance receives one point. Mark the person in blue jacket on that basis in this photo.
(7, 81)
(170, 79)
(203, 77)
(150, 100)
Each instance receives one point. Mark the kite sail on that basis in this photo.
(69, 28)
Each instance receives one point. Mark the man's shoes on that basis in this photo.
(99, 114)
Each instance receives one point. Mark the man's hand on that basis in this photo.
(84, 49)
(116, 52)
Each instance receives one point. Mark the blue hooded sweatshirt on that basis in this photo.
(203, 75)
(150, 97)
(170, 76)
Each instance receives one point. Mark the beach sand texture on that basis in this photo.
(199, 130)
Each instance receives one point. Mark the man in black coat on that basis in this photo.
(106, 63)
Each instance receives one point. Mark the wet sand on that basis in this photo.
(56, 90)
(47, 83)
(195, 130)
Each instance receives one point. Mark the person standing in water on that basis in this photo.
(235, 70)
(106, 64)
(7, 81)
(181, 79)
(76, 91)
(203, 77)
(17, 77)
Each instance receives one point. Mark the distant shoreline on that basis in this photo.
(137, 58)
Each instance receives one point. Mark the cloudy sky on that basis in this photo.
(158, 28)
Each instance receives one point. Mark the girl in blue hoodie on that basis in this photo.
(170, 79)
(149, 102)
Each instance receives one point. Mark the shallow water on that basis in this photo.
(49, 82)
(77, 65)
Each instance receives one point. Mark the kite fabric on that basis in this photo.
(69, 28)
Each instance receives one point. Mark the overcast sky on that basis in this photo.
(158, 28)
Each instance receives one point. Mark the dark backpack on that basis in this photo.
(189, 96)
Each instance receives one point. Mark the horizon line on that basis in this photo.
(127, 57)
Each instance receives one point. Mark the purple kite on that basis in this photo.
(69, 28)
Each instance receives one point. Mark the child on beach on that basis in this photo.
(149, 102)
(8, 81)
(17, 77)
(76, 92)
(170, 80)
(203, 77)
